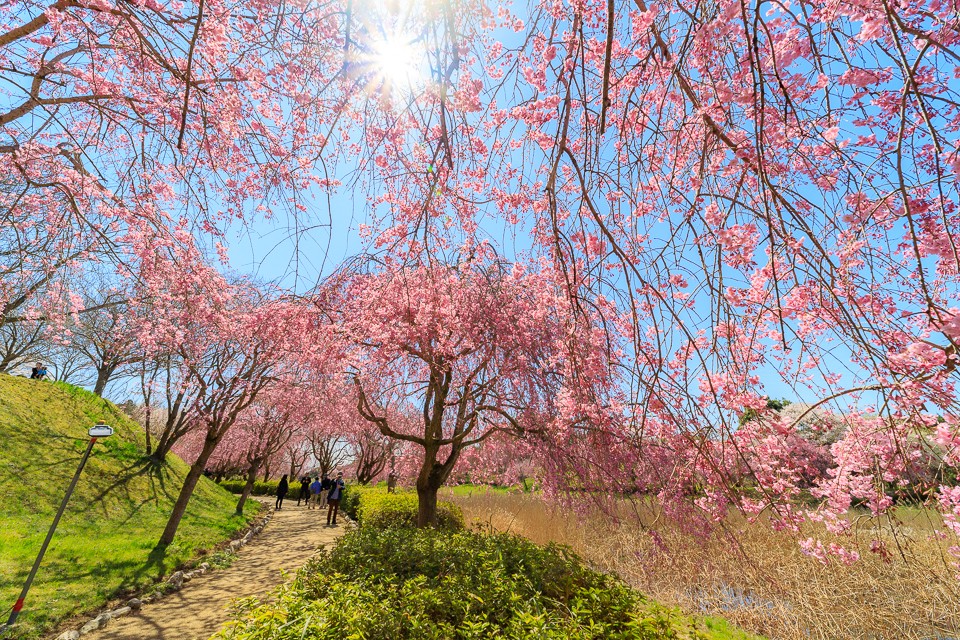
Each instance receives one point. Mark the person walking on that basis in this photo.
(282, 489)
(315, 491)
(333, 499)
(304, 491)
(325, 485)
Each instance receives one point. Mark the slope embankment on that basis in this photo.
(105, 544)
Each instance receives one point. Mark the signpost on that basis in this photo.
(100, 430)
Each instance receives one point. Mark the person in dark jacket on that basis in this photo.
(333, 498)
(304, 491)
(38, 372)
(282, 489)
(325, 485)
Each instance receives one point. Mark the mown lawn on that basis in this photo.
(105, 544)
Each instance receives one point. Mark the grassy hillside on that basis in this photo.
(105, 542)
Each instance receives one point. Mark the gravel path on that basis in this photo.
(199, 609)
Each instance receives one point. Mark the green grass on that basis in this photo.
(105, 543)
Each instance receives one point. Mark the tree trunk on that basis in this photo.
(146, 428)
(266, 472)
(427, 505)
(103, 377)
(189, 484)
(247, 488)
(432, 476)
(164, 444)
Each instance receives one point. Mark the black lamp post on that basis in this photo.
(100, 430)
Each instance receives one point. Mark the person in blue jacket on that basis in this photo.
(315, 491)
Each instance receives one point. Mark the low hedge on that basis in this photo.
(426, 584)
(375, 507)
(260, 488)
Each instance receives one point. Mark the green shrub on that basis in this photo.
(429, 584)
(377, 508)
(350, 501)
(260, 488)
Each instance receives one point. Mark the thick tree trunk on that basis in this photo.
(5, 362)
(427, 505)
(164, 444)
(103, 377)
(247, 488)
(432, 476)
(189, 484)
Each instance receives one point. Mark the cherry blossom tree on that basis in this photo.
(232, 354)
(762, 196)
(328, 451)
(168, 392)
(267, 428)
(750, 196)
(478, 348)
(131, 135)
(297, 451)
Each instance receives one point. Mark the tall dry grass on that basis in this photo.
(751, 575)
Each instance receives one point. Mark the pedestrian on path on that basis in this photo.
(304, 491)
(333, 498)
(325, 485)
(315, 491)
(282, 489)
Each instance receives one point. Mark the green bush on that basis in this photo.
(375, 507)
(260, 488)
(429, 584)
(350, 501)
(381, 509)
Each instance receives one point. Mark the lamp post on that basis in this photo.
(100, 430)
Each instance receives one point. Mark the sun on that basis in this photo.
(389, 53)
(395, 63)
(396, 60)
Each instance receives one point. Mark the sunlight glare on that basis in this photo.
(397, 62)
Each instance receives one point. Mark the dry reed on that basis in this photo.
(753, 576)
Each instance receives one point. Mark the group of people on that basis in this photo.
(39, 372)
(317, 494)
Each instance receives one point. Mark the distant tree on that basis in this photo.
(107, 336)
(371, 452)
(20, 343)
(169, 392)
(329, 451)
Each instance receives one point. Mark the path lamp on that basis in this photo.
(99, 430)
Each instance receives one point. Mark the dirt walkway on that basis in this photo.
(199, 609)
